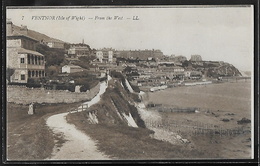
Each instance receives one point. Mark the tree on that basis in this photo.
(52, 71)
(127, 69)
(186, 63)
(53, 56)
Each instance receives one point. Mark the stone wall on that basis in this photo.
(24, 95)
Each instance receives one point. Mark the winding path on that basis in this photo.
(78, 146)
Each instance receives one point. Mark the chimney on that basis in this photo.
(23, 30)
(9, 27)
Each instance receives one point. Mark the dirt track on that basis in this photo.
(78, 146)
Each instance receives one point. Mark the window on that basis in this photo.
(22, 77)
(29, 59)
(39, 60)
(22, 60)
(29, 73)
(32, 59)
(25, 44)
(36, 59)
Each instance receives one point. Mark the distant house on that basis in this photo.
(78, 50)
(165, 63)
(139, 54)
(105, 55)
(22, 56)
(193, 74)
(178, 69)
(150, 58)
(71, 69)
(175, 69)
(55, 44)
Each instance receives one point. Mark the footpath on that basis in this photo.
(78, 145)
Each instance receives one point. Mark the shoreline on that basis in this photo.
(191, 83)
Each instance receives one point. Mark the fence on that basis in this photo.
(195, 128)
(82, 107)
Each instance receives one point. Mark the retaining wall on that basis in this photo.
(24, 95)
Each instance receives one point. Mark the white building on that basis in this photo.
(105, 55)
(192, 74)
(55, 44)
(71, 69)
(99, 55)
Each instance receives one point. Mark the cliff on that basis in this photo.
(115, 108)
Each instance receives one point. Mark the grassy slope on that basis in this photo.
(28, 137)
(123, 142)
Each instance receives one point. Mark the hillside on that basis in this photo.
(213, 68)
(119, 130)
(37, 35)
(116, 108)
(246, 73)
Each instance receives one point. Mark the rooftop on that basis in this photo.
(23, 50)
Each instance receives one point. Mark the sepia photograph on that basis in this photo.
(129, 83)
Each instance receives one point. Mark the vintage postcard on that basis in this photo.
(130, 83)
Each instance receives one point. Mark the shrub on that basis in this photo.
(135, 88)
(116, 74)
(52, 71)
(84, 88)
(53, 56)
(136, 116)
(9, 73)
(16, 83)
(135, 97)
(33, 83)
(103, 79)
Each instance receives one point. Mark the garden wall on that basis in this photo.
(24, 95)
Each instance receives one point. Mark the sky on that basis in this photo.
(215, 33)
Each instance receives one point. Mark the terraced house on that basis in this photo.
(22, 56)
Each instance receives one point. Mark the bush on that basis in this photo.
(116, 74)
(71, 88)
(9, 73)
(87, 83)
(52, 71)
(16, 83)
(135, 88)
(53, 56)
(33, 83)
(136, 116)
(84, 88)
(103, 79)
(80, 74)
(135, 97)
